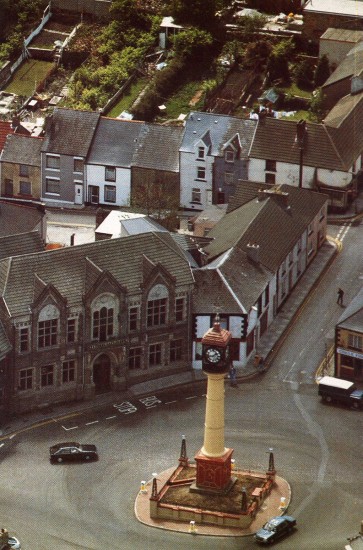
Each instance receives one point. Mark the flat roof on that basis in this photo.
(353, 8)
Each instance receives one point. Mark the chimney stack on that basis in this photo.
(253, 252)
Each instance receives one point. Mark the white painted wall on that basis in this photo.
(96, 176)
(188, 179)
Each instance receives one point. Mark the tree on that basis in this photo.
(322, 71)
(156, 200)
(250, 26)
(317, 110)
(192, 43)
(199, 13)
(304, 74)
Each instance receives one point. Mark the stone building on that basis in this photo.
(86, 319)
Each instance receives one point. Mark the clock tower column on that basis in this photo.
(214, 460)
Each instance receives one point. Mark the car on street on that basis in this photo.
(275, 528)
(72, 451)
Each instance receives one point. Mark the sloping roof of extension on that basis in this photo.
(158, 147)
(352, 318)
(274, 219)
(216, 130)
(22, 243)
(66, 268)
(22, 149)
(114, 142)
(16, 218)
(70, 132)
(351, 65)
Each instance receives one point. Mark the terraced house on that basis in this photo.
(86, 319)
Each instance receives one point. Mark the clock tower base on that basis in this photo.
(213, 474)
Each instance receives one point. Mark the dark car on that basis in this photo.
(72, 451)
(275, 528)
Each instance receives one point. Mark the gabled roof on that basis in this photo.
(276, 140)
(115, 142)
(70, 132)
(274, 219)
(23, 243)
(16, 218)
(66, 268)
(19, 149)
(352, 318)
(158, 147)
(221, 129)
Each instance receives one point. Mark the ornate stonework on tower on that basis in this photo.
(214, 459)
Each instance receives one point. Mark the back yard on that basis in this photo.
(28, 76)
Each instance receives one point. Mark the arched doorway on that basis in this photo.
(102, 373)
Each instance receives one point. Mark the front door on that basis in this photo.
(78, 193)
(102, 373)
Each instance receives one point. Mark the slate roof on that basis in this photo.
(65, 268)
(343, 124)
(351, 65)
(158, 147)
(272, 220)
(323, 147)
(114, 142)
(216, 130)
(23, 243)
(352, 318)
(342, 35)
(17, 218)
(20, 149)
(70, 132)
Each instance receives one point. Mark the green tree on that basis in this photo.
(250, 26)
(322, 71)
(304, 74)
(317, 110)
(192, 43)
(199, 13)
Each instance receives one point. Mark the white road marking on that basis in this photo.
(150, 400)
(110, 417)
(11, 437)
(2, 445)
(126, 407)
(93, 422)
(286, 379)
(170, 402)
(68, 429)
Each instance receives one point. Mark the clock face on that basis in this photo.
(213, 355)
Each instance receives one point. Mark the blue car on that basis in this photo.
(275, 528)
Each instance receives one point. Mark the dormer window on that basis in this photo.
(201, 153)
(229, 155)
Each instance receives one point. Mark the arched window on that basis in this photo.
(157, 306)
(103, 315)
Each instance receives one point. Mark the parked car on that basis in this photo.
(341, 391)
(275, 528)
(72, 451)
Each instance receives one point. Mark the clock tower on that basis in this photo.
(214, 459)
